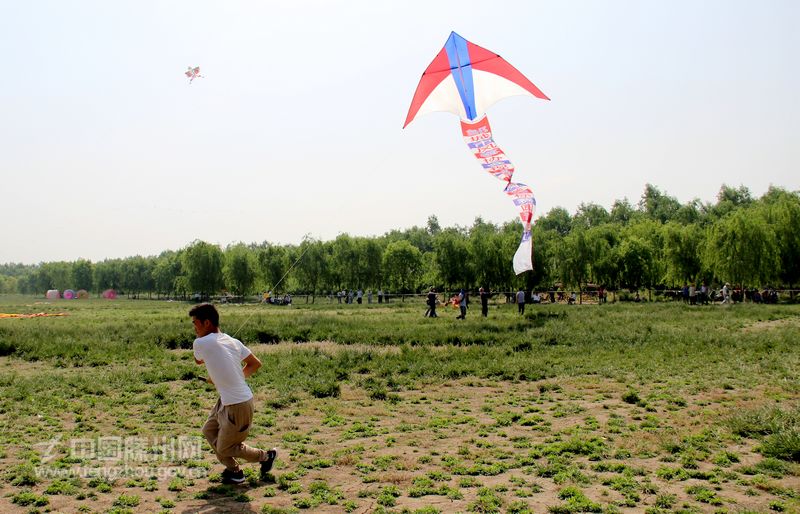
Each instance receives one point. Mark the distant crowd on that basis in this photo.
(726, 294)
(689, 293)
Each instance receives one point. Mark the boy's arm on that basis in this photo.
(251, 365)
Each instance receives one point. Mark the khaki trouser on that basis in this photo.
(226, 429)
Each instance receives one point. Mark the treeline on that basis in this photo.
(659, 242)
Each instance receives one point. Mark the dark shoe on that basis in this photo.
(232, 477)
(266, 465)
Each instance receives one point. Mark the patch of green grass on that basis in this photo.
(659, 373)
(574, 501)
(26, 498)
(487, 501)
(127, 500)
(704, 495)
(778, 427)
(388, 496)
(771, 467)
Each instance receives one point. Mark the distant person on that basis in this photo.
(359, 296)
(521, 301)
(572, 298)
(230, 420)
(369, 296)
(462, 304)
(692, 294)
(484, 302)
(552, 295)
(535, 298)
(726, 293)
(431, 302)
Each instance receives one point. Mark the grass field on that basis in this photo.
(613, 408)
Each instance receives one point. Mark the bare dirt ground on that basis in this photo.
(464, 446)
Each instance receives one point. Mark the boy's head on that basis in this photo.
(205, 318)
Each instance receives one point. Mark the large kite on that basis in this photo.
(466, 79)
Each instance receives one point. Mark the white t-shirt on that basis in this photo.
(223, 356)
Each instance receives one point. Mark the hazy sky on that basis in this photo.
(106, 150)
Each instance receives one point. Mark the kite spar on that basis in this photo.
(466, 80)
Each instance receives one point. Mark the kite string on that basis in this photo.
(270, 289)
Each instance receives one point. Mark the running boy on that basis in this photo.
(229, 422)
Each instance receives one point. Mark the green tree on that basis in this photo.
(557, 219)
(433, 225)
(590, 215)
(635, 262)
(370, 261)
(783, 215)
(683, 246)
(430, 271)
(202, 263)
(741, 248)
(137, 275)
(166, 271)
(657, 205)
(689, 213)
(58, 275)
(83, 274)
(312, 267)
(273, 261)
(488, 256)
(402, 263)
(422, 238)
(107, 274)
(240, 269)
(574, 258)
(8, 285)
(601, 241)
(731, 198)
(452, 258)
(651, 233)
(622, 212)
(344, 262)
(545, 257)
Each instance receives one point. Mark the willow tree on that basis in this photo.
(202, 263)
(741, 248)
(402, 263)
(240, 269)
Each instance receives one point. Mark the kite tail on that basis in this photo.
(478, 136)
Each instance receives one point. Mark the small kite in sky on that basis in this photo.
(193, 73)
(466, 79)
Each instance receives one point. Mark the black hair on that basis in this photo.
(205, 311)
